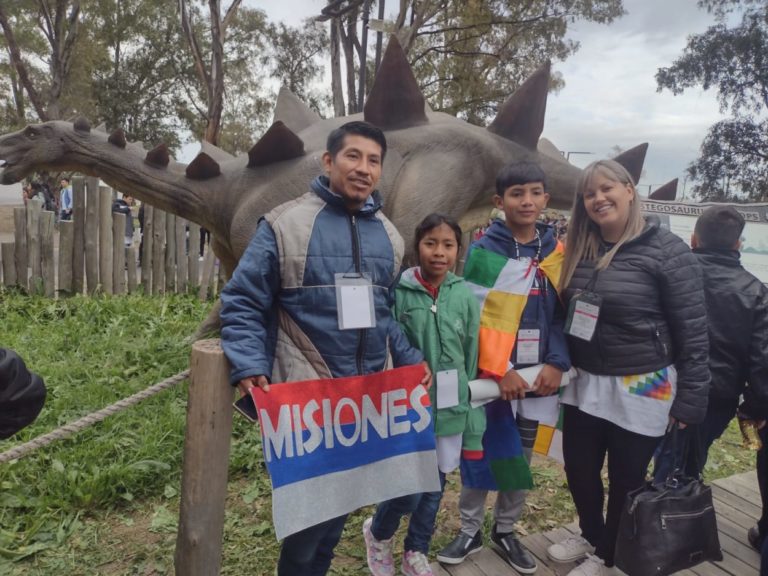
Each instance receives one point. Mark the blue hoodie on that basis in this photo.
(543, 309)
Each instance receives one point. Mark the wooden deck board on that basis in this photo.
(737, 504)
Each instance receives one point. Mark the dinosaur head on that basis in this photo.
(36, 147)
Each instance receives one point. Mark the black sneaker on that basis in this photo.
(755, 539)
(514, 552)
(461, 547)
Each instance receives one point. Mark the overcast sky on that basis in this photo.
(610, 96)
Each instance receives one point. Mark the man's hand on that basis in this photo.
(512, 386)
(246, 384)
(427, 380)
(548, 380)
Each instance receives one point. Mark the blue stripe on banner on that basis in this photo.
(296, 464)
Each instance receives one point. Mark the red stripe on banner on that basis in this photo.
(472, 454)
(343, 389)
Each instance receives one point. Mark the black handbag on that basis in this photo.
(669, 526)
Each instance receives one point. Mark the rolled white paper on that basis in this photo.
(484, 390)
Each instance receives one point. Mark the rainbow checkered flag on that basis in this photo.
(501, 286)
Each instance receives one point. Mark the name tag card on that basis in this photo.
(447, 382)
(583, 313)
(354, 302)
(528, 346)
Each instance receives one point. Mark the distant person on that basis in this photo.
(205, 238)
(737, 310)
(65, 200)
(123, 206)
(22, 394)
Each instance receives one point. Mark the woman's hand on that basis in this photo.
(673, 421)
(548, 381)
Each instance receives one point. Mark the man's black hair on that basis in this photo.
(519, 173)
(431, 222)
(65, 179)
(336, 138)
(719, 228)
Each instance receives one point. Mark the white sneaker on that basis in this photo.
(572, 548)
(592, 566)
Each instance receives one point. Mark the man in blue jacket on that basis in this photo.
(281, 319)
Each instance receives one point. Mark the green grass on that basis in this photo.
(106, 500)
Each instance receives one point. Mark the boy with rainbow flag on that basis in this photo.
(513, 270)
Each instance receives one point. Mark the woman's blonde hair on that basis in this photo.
(584, 239)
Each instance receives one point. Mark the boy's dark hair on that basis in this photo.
(64, 179)
(719, 227)
(519, 173)
(336, 138)
(433, 221)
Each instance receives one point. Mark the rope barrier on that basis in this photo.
(69, 429)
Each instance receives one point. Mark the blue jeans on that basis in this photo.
(700, 437)
(423, 509)
(309, 552)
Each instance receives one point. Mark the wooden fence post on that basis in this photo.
(209, 261)
(181, 255)
(7, 249)
(67, 258)
(34, 208)
(105, 240)
(118, 253)
(20, 253)
(77, 249)
(130, 257)
(206, 461)
(92, 234)
(47, 262)
(158, 252)
(170, 252)
(147, 249)
(192, 255)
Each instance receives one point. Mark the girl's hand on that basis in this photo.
(548, 380)
(427, 380)
(512, 386)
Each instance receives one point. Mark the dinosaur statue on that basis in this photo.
(435, 162)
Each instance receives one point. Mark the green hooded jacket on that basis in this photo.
(446, 332)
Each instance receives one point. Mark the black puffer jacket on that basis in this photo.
(737, 306)
(22, 394)
(652, 315)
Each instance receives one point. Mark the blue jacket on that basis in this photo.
(543, 309)
(278, 311)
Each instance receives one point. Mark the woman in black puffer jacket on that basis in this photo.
(638, 335)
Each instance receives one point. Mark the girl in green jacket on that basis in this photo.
(440, 317)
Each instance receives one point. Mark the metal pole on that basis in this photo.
(379, 36)
(363, 56)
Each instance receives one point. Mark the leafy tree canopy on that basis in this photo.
(732, 59)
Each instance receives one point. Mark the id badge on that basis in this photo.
(354, 302)
(528, 346)
(447, 382)
(583, 313)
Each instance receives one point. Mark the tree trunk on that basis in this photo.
(336, 90)
(18, 63)
(348, 37)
